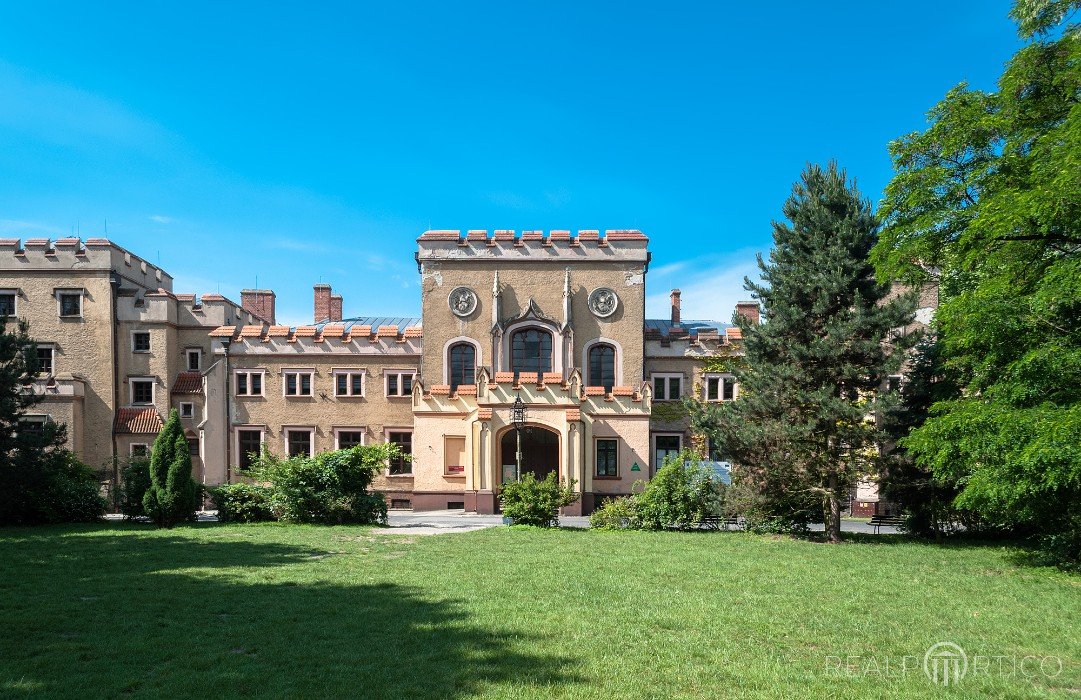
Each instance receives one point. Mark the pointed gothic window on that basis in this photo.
(462, 365)
(602, 366)
(531, 351)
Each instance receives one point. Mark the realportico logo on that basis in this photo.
(945, 663)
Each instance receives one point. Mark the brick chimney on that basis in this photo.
(259, 302)
(335, 307)
(322, 302)
(675, 307)
(748, 310)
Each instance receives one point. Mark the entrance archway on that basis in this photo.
(540, 451)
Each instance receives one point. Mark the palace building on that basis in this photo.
(555, 320)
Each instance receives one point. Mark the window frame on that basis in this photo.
(132, 446)
(14, 294)
(198, 352)
(52, 359)
(41, 419)
(599, 345)
(668, 377)
(298, 372)
(363, 430)
(387, 432)
(596, 454)
(191, 407)
(399, 373)
(448, 358)
(653, 445)
(78, 292)
(552, 354)
(149, 343)
(249, 372)
(237, 430)
(349, 374)
(309, 429)
(726, 383)
(132, 381)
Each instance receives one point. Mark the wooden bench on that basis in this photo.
(716, 522)
(877, 521)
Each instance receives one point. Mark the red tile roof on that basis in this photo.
(138, 421)
(594, 391)
(574, 414)
(188, 383)
(484, 414)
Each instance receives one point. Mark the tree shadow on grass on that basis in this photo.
(168, 615)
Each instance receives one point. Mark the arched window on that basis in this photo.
(462, 360)
(602, 366)
(531, 351)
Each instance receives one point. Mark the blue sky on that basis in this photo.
(290, 144)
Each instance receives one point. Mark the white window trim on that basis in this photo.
(149, 338)
(618, 359)
(726, 378)
(298, 371)
(79, 291)
(237, 429)
(191, 405)
(363, 430)
(387, 430)
(653, 447)
(400, 373)
(132, 446)
(478, 356)
(666, 376)
(14, 292)
(262, 383)
(48, 346)
(153, 390)
(349, 383)
(309, 429)
(187, 361)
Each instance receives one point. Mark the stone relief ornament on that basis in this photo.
(463, 301)
(603, 302)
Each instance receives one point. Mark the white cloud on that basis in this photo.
(710, 287)
(162, 219)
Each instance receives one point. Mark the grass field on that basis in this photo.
(271, 610)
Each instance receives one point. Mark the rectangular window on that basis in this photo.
(142, 391)
(349, 438)
(400, 383)
(348, 383)
(249, 445)
(45, 359)
(71, 304)
(713, 388)
(140, 341)
(32, 426)
(454, 455)
(298, 383)
(139, 449)
(729, 391)
(715, 454)
(404, 441)
(607, 455)
(249, 383)
(187, 410)
(720, 388)
(193, 447)
(667, 387)
(298, 443)
(7, 303)
(195, 360)
(665, 446)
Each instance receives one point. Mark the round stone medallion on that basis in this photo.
(463, 301)
(603, 302)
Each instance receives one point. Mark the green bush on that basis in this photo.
(330, 488)
(173, 496)
(616, 514)
(680, 495)
(532, 502)
(135, 481)
(52, 486)
(243, 503)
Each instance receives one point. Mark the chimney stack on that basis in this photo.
(322, 302)
(748, 310)
(335, 307)
(259, 302)
(675, 307)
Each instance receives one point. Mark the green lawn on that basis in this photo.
(220, 611)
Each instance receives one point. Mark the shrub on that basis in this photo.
(680, 495)
(616, 514)
(330, 488)
(135, 481)
(49, 486)
(243, 503)
(532, 502)
(173, 495)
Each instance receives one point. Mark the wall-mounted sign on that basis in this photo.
(635, 467)
(508, 473)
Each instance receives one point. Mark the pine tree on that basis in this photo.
(803, 429)
(171, 497)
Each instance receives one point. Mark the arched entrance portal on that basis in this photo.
(540, 450)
